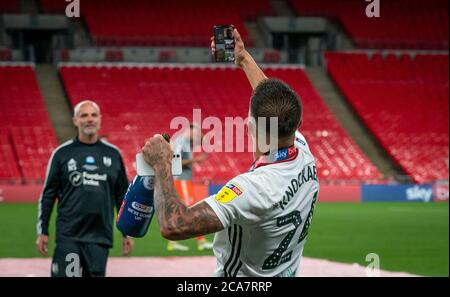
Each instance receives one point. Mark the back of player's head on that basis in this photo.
(77, 107)
(274, 98)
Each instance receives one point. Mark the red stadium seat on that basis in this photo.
(162, 23)
(404, 103)
(8, 6)
(138, 102)
(27, 136)
(5, 54)
(10, 171)
(402, 24)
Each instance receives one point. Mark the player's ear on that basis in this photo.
(75, 121)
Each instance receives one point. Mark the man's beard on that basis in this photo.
(90, 132)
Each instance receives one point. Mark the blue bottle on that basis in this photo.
(136, 212)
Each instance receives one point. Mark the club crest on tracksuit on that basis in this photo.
(72, 165)
(107, 161)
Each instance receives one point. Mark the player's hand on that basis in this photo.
(127, 245)
(239, 49)
(157, 152)
(42, 244)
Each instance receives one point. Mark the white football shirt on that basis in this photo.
(266, 214)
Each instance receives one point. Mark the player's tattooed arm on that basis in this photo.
(175, 219)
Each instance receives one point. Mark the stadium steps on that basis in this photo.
(281, 8)
(343, 42)
(284, 8)
(28, 6)
(350, 121)
(255, 35)
(81, 34)
(55, 99)
(2, 35)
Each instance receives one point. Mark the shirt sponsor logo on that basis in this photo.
(141, 207)
(281, 154)
(107, 161)
(91, 179)
(90, 160)
(90, 167)
(228, 193)
(76, 178)
(72, 165)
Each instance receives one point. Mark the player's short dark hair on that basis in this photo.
(274, 98)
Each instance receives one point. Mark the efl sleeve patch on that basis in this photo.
(228, 193)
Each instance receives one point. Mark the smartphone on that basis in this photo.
(224, 40)
(143, 169)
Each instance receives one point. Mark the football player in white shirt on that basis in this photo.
(261, 217)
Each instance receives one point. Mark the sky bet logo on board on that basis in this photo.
(398, 193)
(419, 193)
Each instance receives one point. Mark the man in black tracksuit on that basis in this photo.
(88, 177)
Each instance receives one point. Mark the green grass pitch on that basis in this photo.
(409, 237)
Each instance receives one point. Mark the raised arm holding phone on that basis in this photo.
(258, 231)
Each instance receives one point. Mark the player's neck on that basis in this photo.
(282, 143)
(88, 139)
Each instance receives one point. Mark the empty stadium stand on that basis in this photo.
(139, 101)
(404, 102)
(162, 23)
(27, 138)
(8, 6)
(413, 24)
(387, 92)
(9, 172)
(338, 157)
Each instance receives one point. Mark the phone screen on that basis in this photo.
(224, 40)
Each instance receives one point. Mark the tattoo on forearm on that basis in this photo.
(184, 222)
